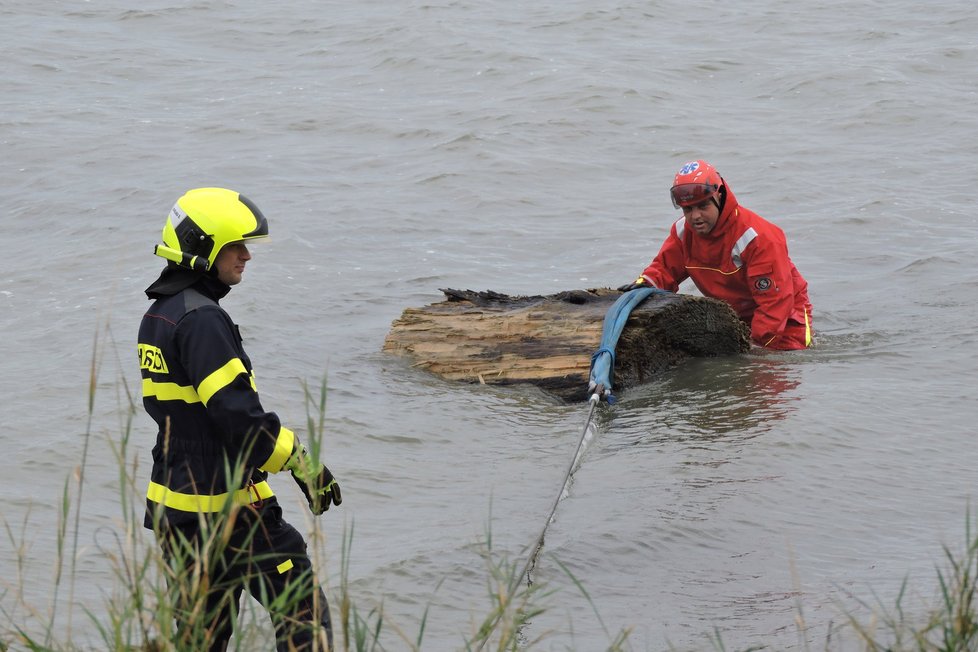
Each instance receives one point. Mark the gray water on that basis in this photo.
(527, 148)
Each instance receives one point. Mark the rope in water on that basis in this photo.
(538, 544)
(602, 366)
(532, 560)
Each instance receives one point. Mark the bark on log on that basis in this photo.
(548, 341)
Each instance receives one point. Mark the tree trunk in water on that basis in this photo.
(548, 341)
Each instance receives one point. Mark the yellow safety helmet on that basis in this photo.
(203, 221)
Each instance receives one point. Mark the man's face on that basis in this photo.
(702, 217)
(230, 263)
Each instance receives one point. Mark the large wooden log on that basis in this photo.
(548, 341)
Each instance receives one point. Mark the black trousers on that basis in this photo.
(211, 563)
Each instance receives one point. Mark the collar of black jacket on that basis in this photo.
(174, 279)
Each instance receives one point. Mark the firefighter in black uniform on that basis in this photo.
(216, 518)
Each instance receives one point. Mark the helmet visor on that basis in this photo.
(690, 194)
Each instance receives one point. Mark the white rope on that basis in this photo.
(538, 544)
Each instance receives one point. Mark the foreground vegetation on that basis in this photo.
(139, 614)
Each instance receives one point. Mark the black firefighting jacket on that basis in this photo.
(199, 387)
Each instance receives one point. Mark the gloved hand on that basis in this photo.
(640, 282)
(314, 479)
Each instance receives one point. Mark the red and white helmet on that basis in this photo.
(695, 182)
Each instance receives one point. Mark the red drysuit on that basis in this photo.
(743, 261)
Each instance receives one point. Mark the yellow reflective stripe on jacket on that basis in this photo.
(284, 445)
(170, 391)
(211, 385)
(220, 379)
(808, 330)
(204, 503)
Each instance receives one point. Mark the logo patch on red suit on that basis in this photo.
(762, 284)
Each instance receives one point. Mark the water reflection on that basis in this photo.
(736, 398)
(680, 473)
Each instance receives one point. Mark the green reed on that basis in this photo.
(951, 626)
(139, 614)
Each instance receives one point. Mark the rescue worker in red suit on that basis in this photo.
(732, 254)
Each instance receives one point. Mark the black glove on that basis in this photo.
(319, 487)
(321, 492)
(639, 283)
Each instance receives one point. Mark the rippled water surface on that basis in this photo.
(398, 148)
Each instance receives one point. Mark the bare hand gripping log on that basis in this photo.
(547, 341)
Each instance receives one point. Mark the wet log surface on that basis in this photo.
(548, 341)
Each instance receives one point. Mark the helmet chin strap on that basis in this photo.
(723, 199)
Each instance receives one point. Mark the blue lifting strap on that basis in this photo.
(603, 360)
